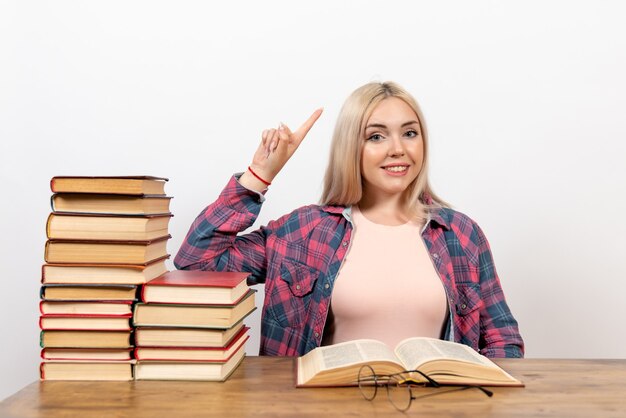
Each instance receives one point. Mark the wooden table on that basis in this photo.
(264, 386)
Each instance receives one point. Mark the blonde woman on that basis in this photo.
(380, 257)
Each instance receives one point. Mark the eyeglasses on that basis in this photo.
(399, 386)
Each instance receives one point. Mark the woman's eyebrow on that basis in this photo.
(383, 126)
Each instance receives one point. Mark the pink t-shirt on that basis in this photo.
(387, 288)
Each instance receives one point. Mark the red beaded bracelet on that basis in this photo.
(267, 183)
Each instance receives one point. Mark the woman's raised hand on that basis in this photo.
(276, 148)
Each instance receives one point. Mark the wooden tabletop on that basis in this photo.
(264, 386)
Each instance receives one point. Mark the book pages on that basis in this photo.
(360, 351)
(416, 351)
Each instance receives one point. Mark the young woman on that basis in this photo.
(381, 257)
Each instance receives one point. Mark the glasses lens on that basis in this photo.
(399, 394)
(367, 382)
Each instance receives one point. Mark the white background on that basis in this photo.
(525, 103)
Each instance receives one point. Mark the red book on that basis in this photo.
(85, 322)
(196, 287)
(205, 354)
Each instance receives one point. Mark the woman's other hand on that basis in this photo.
(276, 148)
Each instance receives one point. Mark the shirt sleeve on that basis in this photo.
(499, 333)
(213, 243)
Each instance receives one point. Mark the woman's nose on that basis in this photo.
(396, 147)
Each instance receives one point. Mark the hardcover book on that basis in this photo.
(85, 339)
(198, 370)
(90, 354)
(98, 273)
(185, 337)
(88, 292)
(85, 322)
(86, 370)
(196, 287)
(113, 252)
(110, 204)
(109, 308)
(216, 354)
(130, 185)
(201, 316)
(107, 227)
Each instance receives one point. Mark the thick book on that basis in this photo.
(448, 363)
(196, 287)
(185, 337)
(89, 292)
(85, 308)
(82, 354)
(86, 370)
(86, 322)
(102, 274)
(107, 227)
(109, 204)
(113, 252)
(200, 316)
(197, 370)
(85, 339)
(130, 185)
(216, 354)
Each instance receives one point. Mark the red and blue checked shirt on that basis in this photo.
(299, 255)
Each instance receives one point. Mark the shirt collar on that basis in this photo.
(435, 213)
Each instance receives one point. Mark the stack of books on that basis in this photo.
(189, 325)
(106, 236)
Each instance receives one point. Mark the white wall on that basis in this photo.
(524, 101)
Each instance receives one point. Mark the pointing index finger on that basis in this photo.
(308, 124)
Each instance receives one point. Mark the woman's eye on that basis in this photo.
(375, 137)
(411, 133)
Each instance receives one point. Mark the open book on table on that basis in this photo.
(444, 361)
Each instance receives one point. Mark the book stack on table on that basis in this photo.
(189, 325)
(106, 236)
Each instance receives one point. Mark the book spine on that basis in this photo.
(45, 251)
(143, 291)
(48, 225)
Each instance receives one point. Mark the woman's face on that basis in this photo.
(393, 150)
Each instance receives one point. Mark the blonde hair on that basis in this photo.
(342, 181)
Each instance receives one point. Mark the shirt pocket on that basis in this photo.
(291, 293)
(468, 307)
(468, 299)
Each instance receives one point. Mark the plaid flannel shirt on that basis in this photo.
(299, 255)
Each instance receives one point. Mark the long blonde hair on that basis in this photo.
(342, 181)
